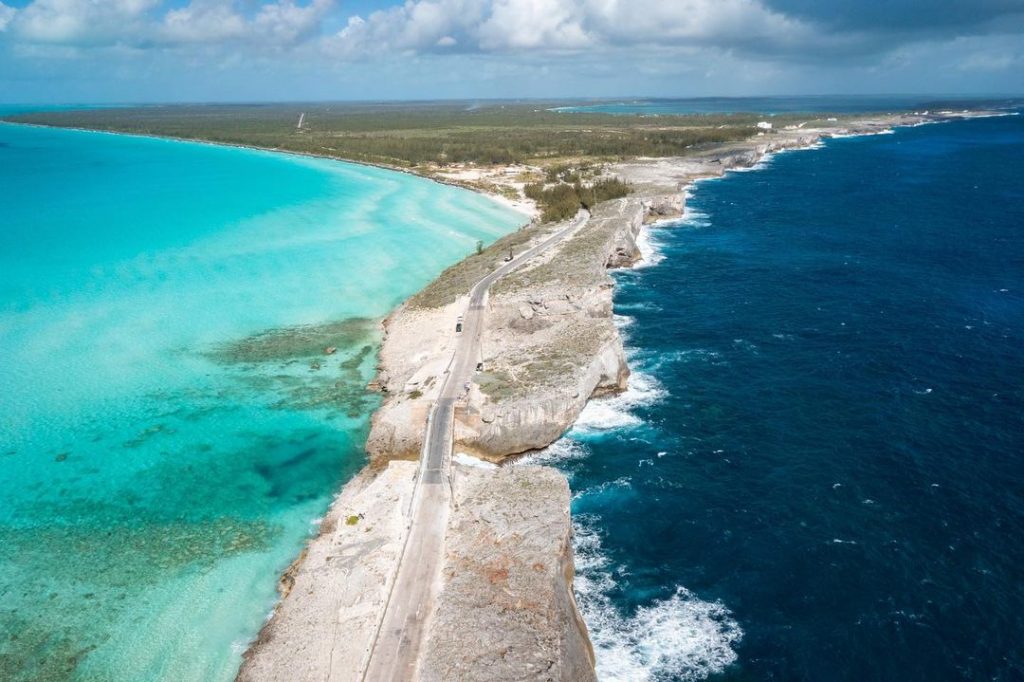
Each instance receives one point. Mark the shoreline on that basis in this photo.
(745, 157)
(749, 156)
(525, 210)
(562, 453)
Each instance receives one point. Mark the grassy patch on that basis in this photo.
(408, 135)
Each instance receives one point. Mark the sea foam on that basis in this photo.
(616, 412)
(559, 453)
(649, 247)
(680, 637)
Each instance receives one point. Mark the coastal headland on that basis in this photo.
(501, 602)
(504, 606)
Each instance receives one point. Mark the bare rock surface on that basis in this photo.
(550, 342)
(506, 610)
(418, 345)
(323, 626)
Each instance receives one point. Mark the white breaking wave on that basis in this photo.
(843, 136)
(644, 305)
(681, 637)
(606, 414)
(650, 249)
(560, 452)
(470, 461)
(696, 218)
(622, 321)
(691, 216)
(622, 324)
(763, 163)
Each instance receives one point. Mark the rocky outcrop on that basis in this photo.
(413, 358)
(624, 252)
(325, 622)
(550, 343)
(506, 609)
(664, 207)
(494, 430)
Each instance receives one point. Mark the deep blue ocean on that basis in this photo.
(818, 473)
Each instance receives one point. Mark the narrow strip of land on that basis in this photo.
(395, 650)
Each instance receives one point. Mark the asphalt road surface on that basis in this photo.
(396, 649)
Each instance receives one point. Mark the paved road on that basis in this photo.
(396, 649)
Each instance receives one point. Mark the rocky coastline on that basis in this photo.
(506, 608)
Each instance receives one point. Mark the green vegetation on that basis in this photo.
(563, 200)
(351, 520)
(498, 386)
(426, 137)
(408, 135)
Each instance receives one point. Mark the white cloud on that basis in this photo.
(286, 23)
(570, 25)
(80, 22)
(141, 23)
(532, 24)
(612, 30)
(203, 21)
(6, 14)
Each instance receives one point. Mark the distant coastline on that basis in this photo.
(302, 155)
(498, 198)
(499, 433)
(492, 428)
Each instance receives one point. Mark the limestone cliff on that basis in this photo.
(506, 608)
(551, 343)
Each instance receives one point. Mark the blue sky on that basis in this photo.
(245, 50)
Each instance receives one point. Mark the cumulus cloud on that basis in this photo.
(531, 24)
(574, 25)
(286, 23)
(202, 21)
(773, 28)
(81, 22)
(149, 23)
(765, 30)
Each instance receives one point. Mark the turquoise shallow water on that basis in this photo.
(170, 427)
